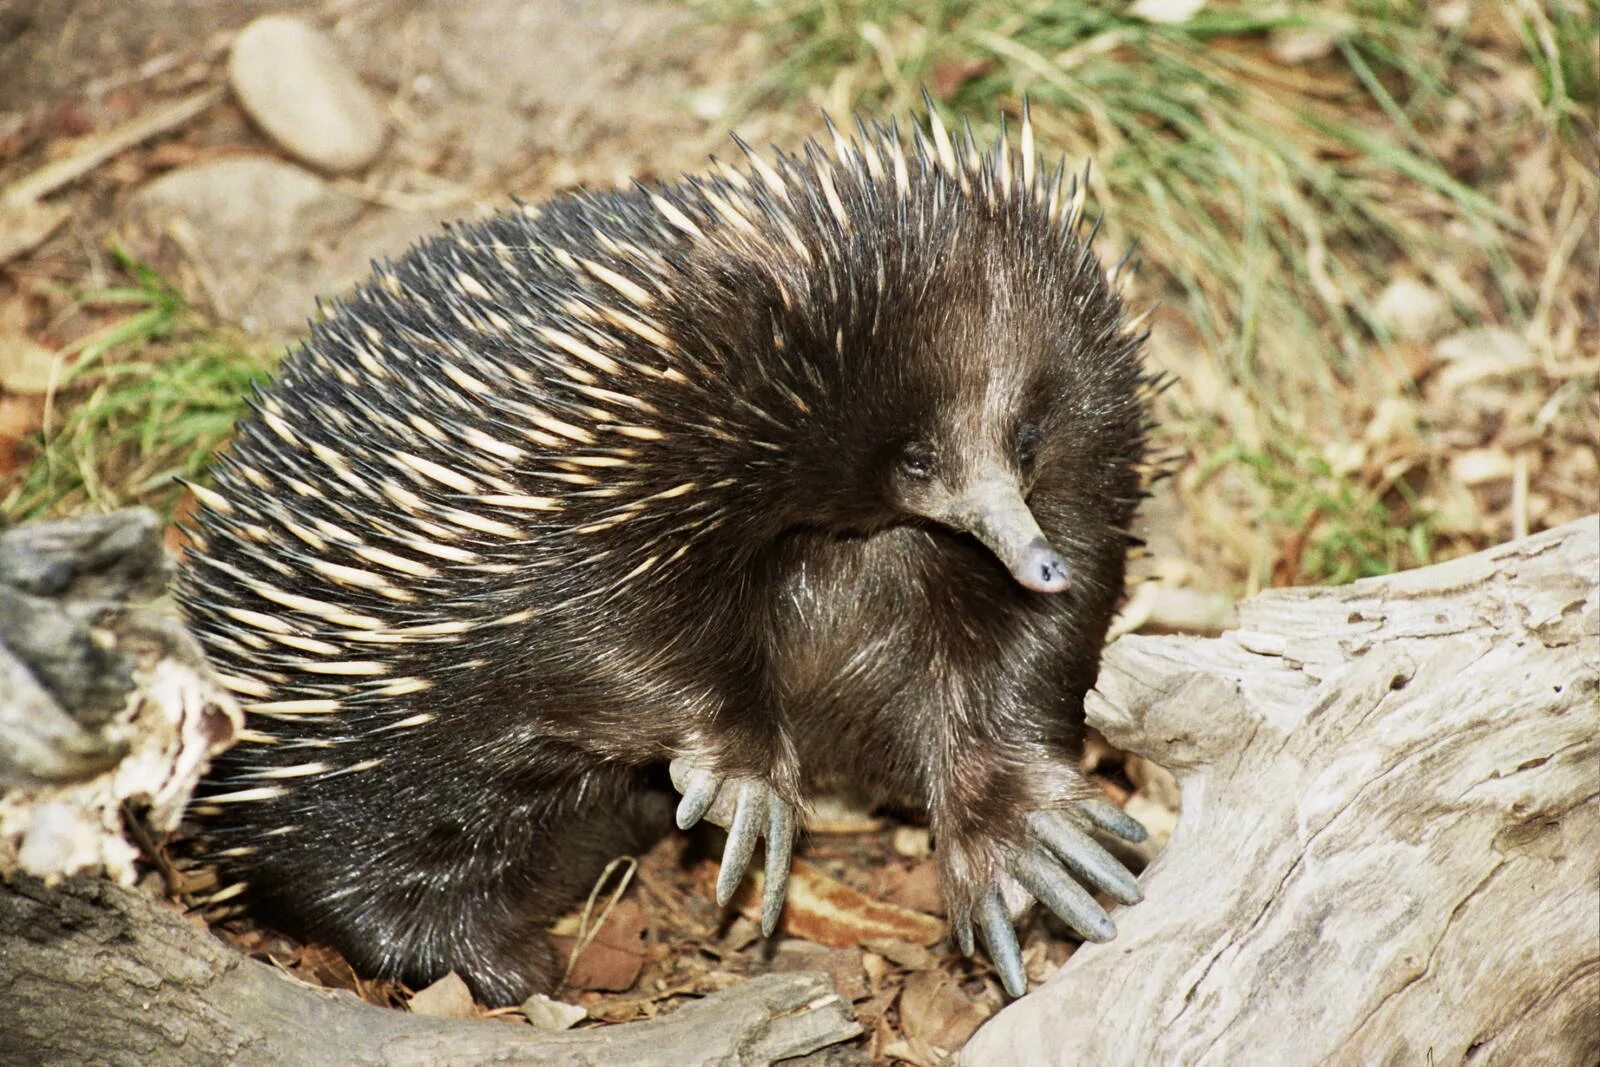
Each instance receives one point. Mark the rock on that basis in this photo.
(304, 95)
(575, 92)
(1292, 47)
(1481, 466)
(1166, 12)
(1489, 344)
(1412, 311)
(251, 221)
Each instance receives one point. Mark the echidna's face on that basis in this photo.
(978, 483)
(936, 345)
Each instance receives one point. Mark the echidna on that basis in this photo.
(815, 470)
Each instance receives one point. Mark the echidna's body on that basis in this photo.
(565, 494)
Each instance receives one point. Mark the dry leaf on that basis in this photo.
(613, 959)
(917, 888)
(26, 366)
(448, 998)
(842, 965)
(547, 1014)
(935, 1012)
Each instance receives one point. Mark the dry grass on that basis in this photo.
(1274, 199)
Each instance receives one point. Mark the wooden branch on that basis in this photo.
(91, 972)
(1388, 848)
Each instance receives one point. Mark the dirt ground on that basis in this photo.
(488, 99)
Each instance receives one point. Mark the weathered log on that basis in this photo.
(1390, 839)
(92, 973)
(106, 701)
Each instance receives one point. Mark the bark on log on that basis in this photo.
(1388, 850)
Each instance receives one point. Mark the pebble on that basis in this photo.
(1488, 344)
(1292, 47)
(1411, 310)
(248, 220)
(1166, 12)
(302, 92)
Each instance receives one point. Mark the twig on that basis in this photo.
(96, 150)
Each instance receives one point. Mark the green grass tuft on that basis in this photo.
(146, 401)
(1331, 528)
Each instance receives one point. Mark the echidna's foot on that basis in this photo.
(749, 809)
(1058, 866)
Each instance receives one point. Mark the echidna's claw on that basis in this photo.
(780, 849)
(1113, 820)
(698, 794)
(1001, 941)
(1055, 889)
(749, 809)
(1083, 856)
(1059, 865)
(743, 833)
(964, 940)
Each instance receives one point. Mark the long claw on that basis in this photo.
(1113, 820)
(697, 798)
(964, 940)
(1084, 857)
(780, 848)
(1001, 939)
(743, 834)
(1056, 890)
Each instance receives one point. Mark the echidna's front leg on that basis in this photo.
(1058, 864)
(749, 809)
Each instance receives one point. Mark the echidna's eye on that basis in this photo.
(918, 461)
(1028, 437)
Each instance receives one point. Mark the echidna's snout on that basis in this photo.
(994, 512)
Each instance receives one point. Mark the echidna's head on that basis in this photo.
(948, 351)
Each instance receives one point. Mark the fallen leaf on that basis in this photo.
(612, 961)
(325, 966)
(833, 814)
(24, 226)
(842, 965)
(26, 366)
(917, 888)
(547, 1014)
(935, 1012)
(903, 954)
(19, 416)
(448, 998)
(913, 842)
(950, 76)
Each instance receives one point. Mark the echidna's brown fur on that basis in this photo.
(570, 491)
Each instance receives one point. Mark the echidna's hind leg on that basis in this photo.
(496, 928)
(470, 887)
